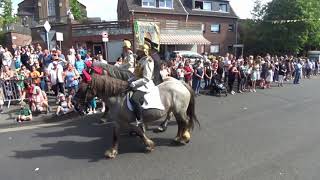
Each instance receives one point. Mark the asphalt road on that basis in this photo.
(269, 135)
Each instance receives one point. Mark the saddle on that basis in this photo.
(152, 100)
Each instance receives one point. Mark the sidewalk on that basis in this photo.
(8, 116)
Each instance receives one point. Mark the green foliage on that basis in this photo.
(262, 35)
(76, 10)
(258, 10)
(7, 15)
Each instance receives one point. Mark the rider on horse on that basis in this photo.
(129, 60)
(143, 82)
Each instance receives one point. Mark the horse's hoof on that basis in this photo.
(111, 154)
(149, 149)
(178, 141)
(159, 130)
(150, 146)
(186, 137)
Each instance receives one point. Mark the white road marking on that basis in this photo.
(37, 126)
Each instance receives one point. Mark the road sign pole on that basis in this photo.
(106, 50)
(48, 42)
(105, 39)
(60, 46)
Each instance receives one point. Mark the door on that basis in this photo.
(97, 49)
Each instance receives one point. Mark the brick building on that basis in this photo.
(41, 10)
(187, 24)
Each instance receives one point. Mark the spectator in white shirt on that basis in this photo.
(100, 59)
(56, 77)
(7, 58)
(71, 57)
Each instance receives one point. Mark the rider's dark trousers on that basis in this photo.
(137, 100)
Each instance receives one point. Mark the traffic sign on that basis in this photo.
(59, 36)
(105, 39)
(105, 35)
(47, 26)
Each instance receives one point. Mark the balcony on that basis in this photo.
(112, 27)
(175, 26)
(55, 20)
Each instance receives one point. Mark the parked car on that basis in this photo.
(193, 56)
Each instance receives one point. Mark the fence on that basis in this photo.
(10, 91)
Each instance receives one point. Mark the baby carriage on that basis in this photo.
(218, 88)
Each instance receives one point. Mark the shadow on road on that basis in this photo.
(92, 150)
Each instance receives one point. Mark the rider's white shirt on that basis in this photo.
(145, 84)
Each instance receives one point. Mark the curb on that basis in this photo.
(49, 118)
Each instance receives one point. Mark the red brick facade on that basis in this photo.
(225, 38)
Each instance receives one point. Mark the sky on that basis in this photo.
(107, 9)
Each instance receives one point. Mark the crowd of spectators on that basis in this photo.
(240, 74)
(31, 73)
(38, 72)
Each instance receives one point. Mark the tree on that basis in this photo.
(7, 17)
(283, 26)
(76, 10)
(258, 10)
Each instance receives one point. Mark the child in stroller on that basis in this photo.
(218, 87)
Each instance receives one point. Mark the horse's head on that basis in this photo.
(82, 98)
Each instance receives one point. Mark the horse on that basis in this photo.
(125, 75)
(177, 97)
(116, 73)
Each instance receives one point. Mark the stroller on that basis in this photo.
(218, 88)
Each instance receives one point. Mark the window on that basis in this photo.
(166, 4)
(51, 8)
(215, 49)
(203, 5)
(198, 5)
(215, 28)
(231, 28)
(207, 6)
(148, 3)
(223, 7)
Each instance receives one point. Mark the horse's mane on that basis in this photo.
(114, 71)
(107, 86)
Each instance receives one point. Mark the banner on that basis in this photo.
(148, 30)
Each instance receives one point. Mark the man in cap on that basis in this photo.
(128, 61)
(144, 79)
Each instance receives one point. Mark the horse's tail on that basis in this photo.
(191, 112)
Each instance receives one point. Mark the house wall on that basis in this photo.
(63, 28)
(19, 39)
(122, 10)
(224, 39)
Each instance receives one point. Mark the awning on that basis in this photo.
(185, 39)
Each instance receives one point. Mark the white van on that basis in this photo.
(314, 55)
(193, 56)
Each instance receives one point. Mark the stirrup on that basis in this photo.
(138, 123)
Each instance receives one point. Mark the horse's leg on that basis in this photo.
(113, 151)
(183, 135)
(164, 125)
(105, 111)
(148, 142)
